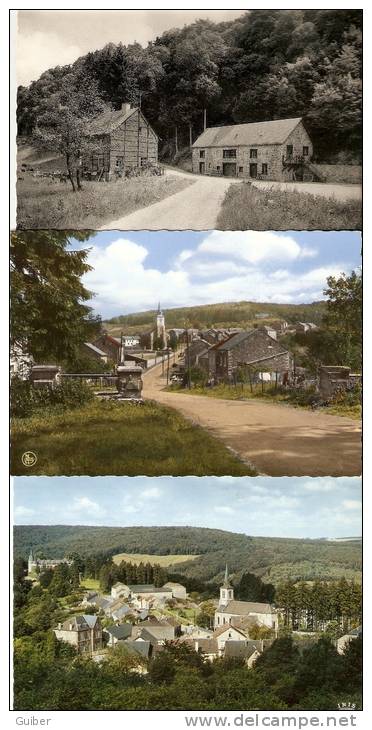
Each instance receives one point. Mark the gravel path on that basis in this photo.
(278, 440)
(196, 207)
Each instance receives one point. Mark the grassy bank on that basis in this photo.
(245, 207)
(121, 439)
(294, 398)
(47, 203)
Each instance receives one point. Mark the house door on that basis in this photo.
(202, 168)
(253, 169)
(229, 169)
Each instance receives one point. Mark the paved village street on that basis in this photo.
(277, 439)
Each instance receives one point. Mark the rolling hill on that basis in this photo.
(225, 314)
(273, 559)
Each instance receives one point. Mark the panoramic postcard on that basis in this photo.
(187, 594)
(181, 119)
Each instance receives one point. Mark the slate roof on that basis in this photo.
(256, 133)
(241, 649)
(243, 608)
(123, 631)
(95, 349)
(109, 121)
(148, 589)
(207, 646)
(143, 648)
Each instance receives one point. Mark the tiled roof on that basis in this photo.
(256, 133)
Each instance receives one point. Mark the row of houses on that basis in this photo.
(123, 139)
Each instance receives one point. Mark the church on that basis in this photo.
(155, 339)
(230, 611)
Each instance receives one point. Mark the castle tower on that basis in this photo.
(31, 562)
(226, 590)
(160, 327)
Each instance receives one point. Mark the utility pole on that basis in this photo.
(167, 366)
(188, 359)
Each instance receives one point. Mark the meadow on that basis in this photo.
(163, 560)
(48, 203)
(248, 208)
(104, 438)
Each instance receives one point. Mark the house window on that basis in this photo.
(289, 150)
(218, 167)
(202, 154)
(240, 169)
(229, 153)
(253, 154)
(98, 162)
(305, 151)
(119, 162)
(264, 168)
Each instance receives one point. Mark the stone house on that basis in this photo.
(333, 378)
(87, 349)
(120, 590)
(255, 348)
(195, 350)
(247, 650)
(117, 634)
(84, 633)
(274, 150)
(178, 590)
(121, 140)
(109, 345)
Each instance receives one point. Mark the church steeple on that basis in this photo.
(226, 590)
(160, 327)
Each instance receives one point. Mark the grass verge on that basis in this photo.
(120, 439)
(243, 392)
(46, 203)
(245, 207)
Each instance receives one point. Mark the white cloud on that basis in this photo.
(225, 510)
(151, 493)
(351, 504)
(225, 266)
(22, 511)
(86, 505)
(320, 485)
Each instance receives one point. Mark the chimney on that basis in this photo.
(125, 107)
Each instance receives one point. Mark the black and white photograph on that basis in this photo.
(165, 119)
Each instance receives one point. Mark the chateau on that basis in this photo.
(34, 564)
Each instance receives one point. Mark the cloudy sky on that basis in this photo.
(48, 38)
(266, 506)
(132, 271)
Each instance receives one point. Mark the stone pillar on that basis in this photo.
(129, 381)
(45, 376)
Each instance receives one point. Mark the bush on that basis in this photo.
(26, 400)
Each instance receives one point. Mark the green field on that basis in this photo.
(105, 438)
(162, 560)
(91, 584)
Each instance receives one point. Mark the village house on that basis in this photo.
(248, 650)
(120, 140)
(253, 348)
(93, 352)
(226, 633)
(84, 633)
(228, 609)
(274, 150)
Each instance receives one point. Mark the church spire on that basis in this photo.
(226, 582)
(226, 590)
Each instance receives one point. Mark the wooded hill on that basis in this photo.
(273, 559)
(228, 314)
(267, 64)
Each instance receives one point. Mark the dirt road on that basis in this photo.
(278, 440)
(195, 207)
(337, 191)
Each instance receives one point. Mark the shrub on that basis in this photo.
(26, 400)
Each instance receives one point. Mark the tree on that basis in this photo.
(50, 319)
(62, 125)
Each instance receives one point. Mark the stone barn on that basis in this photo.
(277, 150)
(253, 349)
(121, 140)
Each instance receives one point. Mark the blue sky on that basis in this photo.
(132, 271)
(298, 507)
